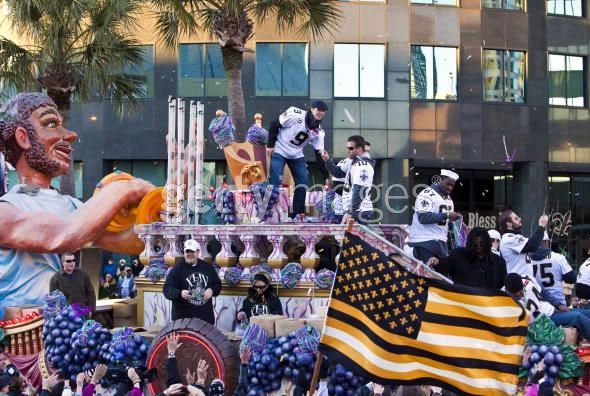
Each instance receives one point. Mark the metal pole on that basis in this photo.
(170, 179)
(180, 168)
(191, 161)
(199, 160)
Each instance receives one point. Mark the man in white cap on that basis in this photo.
(495, 237)
(432, 211)
(190, 286)
(551, 269)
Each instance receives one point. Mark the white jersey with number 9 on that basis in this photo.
(294, 134)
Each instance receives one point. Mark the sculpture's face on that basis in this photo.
(255, 174)
(50, 143)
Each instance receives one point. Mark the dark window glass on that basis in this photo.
(504, 75)
(282, 69)
(505, 4)
(566, 80)
(201, 71)
(144, 70)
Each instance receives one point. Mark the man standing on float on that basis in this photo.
(432, 211)
(37, 221)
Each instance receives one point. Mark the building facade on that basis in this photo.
(495, 89)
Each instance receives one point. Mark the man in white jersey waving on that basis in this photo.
(287, 137)
(550, 270)
(514, 247)
(525, 289)
(358, 179)
(432, 210)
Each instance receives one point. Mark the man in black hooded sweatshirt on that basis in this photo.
(190, 286)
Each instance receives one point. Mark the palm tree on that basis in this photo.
(230, 22)
(73, 47)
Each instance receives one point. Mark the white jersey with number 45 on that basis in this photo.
(430, 201)
(294, 134)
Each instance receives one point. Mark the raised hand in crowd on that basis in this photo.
(194, 391)
(48, 383)
(80, 382)
(432, 261)
(174, 389)
(543, 220)
(190, 377)
(245, 355)
(173, 344)
(133, 376)
(378, 389)
(202, 372)
(99, 372)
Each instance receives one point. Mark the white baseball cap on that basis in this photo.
(494, 234)
(448, 173)
(191, 244)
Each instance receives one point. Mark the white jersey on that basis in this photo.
(510, 247)
(360, 173)
(343, 164)
(584, 273)
(533, 301)
(430, 201)
(549, 273)
(294, 134)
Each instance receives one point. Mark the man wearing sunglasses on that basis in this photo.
(73, 283)
(358, 179)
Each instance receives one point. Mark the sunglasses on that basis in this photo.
(259, 287)
(189, 251)
(350, 148)
(69, 261)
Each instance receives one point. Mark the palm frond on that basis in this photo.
(25, 16)
(173, 20)
(125, 89)
(18, 65)
(317, 17)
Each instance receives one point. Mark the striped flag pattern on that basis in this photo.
(394, 327)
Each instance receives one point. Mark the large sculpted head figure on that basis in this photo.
(32, 136)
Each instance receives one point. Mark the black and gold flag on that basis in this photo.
(398, 328)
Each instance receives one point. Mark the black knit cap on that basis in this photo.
(319, 104)
(513, 283)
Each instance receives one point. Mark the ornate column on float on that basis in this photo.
(225, 258)
(309, 259)
(249, 257)
(174, 252)
(148, 251)
(277, 258)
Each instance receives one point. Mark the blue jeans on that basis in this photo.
(578, 318)
(298, 170)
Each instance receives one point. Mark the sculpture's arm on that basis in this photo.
(47, 233)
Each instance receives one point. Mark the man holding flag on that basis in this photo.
(394, 327)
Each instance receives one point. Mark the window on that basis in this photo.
(78, 182)
(359, 70)
(201, 71)
(566, 80)
(565, 7)
(144, 71)
(433, 73)
(436, 2)
(505, 4)
(282, 69)
(152, 171)
(504, 76)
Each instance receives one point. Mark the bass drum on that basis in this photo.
(200, 340)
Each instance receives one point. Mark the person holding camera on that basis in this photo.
(190, 286)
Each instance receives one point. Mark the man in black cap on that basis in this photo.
(287, 137)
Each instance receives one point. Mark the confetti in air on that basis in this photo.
(348, 115)
(509, 158)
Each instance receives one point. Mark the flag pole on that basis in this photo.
(320, 359)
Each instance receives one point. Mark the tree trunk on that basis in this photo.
(66, 182)
(232, 62)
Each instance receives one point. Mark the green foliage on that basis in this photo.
(76, 46)
(544, 332)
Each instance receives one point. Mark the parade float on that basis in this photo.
(254, 235)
